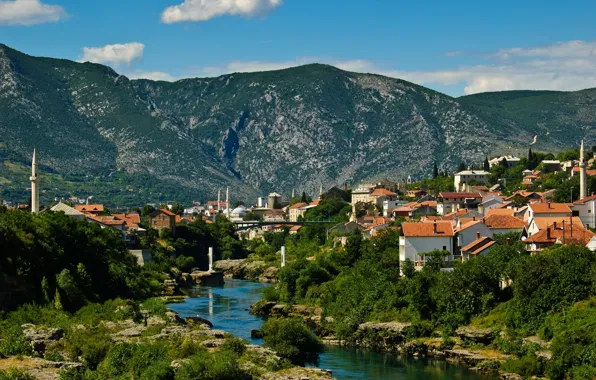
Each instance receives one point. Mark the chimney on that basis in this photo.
(473, 218)
(555, 225)
(547, 232)
(477, 235)
(435, 227)
(508, 241)
(550, 205)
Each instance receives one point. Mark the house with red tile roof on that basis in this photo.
(416, 239)
(479, 246)
(560, 233)
(90, 209)
(541, 223)
(501, 223)
(163, 218)
(296, 210)
(451, 201)
(547, 210)
(469, 232)
(585, 209)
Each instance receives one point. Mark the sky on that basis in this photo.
(456, 47)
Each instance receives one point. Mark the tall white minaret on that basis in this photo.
(218, 200)
(34, 185)
(321, 192)
(583, 190)
(228, 202)
(293, 193)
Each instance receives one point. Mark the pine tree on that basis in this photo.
(58, 301)
(304, 199)
(486, 165)
(435, 170)
(45, 291)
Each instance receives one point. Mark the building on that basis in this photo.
(95, 209)
(362, 194)
(163, 218)
(585, 209)
(504, 223)
(471, 177)
(469, 232)
(559, 210)
(551, 166)
(448, 202)
(510, 161)
(490, 202)
(378, 196)
(68, 211)
(560, 233)
(274, 200)
(296, 211)
(416, 239)
(478, 247)
(539, 223)
(274, 216)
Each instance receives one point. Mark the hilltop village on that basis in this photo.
(459, 214)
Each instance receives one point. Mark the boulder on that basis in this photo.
(197, 321)
(262, 308)
(174, 317)
(213, 343)
(484, 336)
(40, 337)
(397, 327)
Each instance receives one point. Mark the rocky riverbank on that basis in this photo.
(51, 353)
(245, 269)
(470, 347)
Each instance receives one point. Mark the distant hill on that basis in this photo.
(133, 141)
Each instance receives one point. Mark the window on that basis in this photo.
(444, 248)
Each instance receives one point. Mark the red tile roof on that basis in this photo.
(166, 211)
(459, 195)
(504, 222)
(542, 222)
(297, 205)
(589, 172)
(433, 229)
(381, 192)
(500, 211)
(479, 245)
(89, 208)
(129, 218)
(564, 233)
(550, 208)
(585, 200)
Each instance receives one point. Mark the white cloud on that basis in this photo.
(115, 54)
(29, 12)
(152, 75)
(203, 10)
(558, 50)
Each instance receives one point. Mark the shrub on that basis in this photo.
(235, 345)
(155, 307)
(13, 342)
(15, 374)
(292, 339)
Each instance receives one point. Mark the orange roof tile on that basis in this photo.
(427, 229)
(585, 200)
(297, 205)
(459, 195)
(381, 192)
(504, 222)
(550, 208)
(90, 208)
(543, 222)
(500, 211)
(479, 245)
(564, 233)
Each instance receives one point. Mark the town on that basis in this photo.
(461, 219)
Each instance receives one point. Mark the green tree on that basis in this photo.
(461, 167)
(45, 291)
(177, 209)
(435, 170)
(486, 165)
(292, 339)
(148, 209)
(408, 268)
(58, 301)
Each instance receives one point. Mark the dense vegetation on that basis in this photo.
(362, 282)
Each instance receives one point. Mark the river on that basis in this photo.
(228, 307)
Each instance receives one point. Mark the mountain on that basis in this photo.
(129, 141)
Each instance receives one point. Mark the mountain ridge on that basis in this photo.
(279, 130)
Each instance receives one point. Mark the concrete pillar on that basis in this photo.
(283, 256)
(210, 259)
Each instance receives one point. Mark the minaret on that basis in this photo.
(228, 202)
(353, 217)
(293, 193)
(34, 186)
(321, 192)
(218, 200)
(582, 173)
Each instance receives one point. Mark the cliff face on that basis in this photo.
(295, 128)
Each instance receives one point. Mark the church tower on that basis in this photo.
(583, 190)
(34, 186)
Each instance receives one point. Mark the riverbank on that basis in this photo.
(119, 337)
(469, 347)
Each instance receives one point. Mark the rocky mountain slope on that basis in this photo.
(288, 129)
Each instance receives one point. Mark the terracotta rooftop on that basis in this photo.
(381, 192)
(562, 233)
(542, 222)
(550, 208)
(469, 224)
(459, 195)
(166, 211)
(585, 200)
(89, 208)
(129, 218)
(427, 229)
(504, 222)
(479, 245)
(500, 211)
(297, 205)
(589, 172)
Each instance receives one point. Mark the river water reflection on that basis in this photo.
(227, 307)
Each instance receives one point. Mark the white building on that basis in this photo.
(362, 194)
(509, 160)
(419, 238)
(467, 176)
(585, 209)
(469, 232)
(558, 210)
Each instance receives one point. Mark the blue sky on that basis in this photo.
(455, 47)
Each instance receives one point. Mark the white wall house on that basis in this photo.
(469, 233)
(510, 161)
(585, 209)
(467, 176)
(558, 210)
(419, 238)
